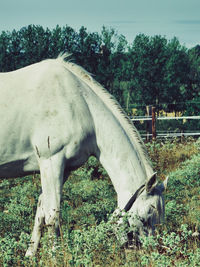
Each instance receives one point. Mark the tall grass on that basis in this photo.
(167, 155)
(88, 200)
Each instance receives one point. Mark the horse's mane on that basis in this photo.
(115, 108)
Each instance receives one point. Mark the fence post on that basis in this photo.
(151, 124)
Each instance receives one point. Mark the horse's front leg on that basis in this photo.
(36, 234)
(48, 209)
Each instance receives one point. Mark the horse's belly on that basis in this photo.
(18, 168)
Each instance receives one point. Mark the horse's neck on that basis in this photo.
(117, 153)
(119, 148)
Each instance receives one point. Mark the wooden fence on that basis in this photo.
(151, 125)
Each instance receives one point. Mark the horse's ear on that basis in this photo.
(151, 183)
(163, 186)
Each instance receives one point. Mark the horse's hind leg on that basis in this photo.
(48, 209)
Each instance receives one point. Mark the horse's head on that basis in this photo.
(145, 210)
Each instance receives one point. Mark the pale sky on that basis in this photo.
(169, 18)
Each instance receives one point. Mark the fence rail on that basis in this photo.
(149, 118)
(151, 121)
(174, 134)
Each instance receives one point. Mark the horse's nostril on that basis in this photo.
(130, 236)
(133, 240)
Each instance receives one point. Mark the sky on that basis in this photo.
(168, 18)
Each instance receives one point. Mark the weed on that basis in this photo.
(87, 237)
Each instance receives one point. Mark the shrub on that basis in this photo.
(89, 199)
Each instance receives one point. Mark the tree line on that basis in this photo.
(148, 71)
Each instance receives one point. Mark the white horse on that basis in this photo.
(54, 115)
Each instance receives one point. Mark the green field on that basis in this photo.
(88, 201)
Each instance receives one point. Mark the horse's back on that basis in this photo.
(42, 106)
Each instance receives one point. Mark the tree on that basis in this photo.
(111, 62)
(152, 70)
(4, 51)
(88, 50)
(158, 70)
(194, 74)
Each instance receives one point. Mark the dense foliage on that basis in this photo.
(151, 70)
(88, 200)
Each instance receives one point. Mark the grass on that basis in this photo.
(89, 199)
(167, 156)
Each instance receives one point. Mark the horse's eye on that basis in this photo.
(153, 206)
